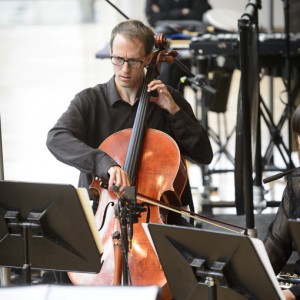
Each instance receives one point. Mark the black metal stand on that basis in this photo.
(204, 270)
(252, 109)
(14, 225)
(47, 223)
(288, 76)
(247, 119)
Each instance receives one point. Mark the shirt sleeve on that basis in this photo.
(70, 141)
(278, 241)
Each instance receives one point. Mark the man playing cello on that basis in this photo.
(98, 112)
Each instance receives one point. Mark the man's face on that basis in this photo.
(126, 76)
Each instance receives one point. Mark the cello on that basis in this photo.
(128, 256)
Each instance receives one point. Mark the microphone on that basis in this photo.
(198, 81)
(277, 176)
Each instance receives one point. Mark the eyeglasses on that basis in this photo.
(119, 61)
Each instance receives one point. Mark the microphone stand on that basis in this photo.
(278, 176)
(288, 75)
(196, 80)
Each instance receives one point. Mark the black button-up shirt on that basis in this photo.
(98, 112)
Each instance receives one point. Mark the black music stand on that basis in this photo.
(44, 226)
(201, 264)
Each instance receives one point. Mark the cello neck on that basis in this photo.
(136, 140)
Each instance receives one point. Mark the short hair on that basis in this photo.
(296, 120)
(134, 29)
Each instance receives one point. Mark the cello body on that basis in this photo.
(156, 180)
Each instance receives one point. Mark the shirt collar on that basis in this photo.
(113, 95)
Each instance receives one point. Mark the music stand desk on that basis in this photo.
(202, 264)
(48, 227)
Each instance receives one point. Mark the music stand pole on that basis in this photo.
(14, 225)
(26, 270)
(212, 291)
(212, 275)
